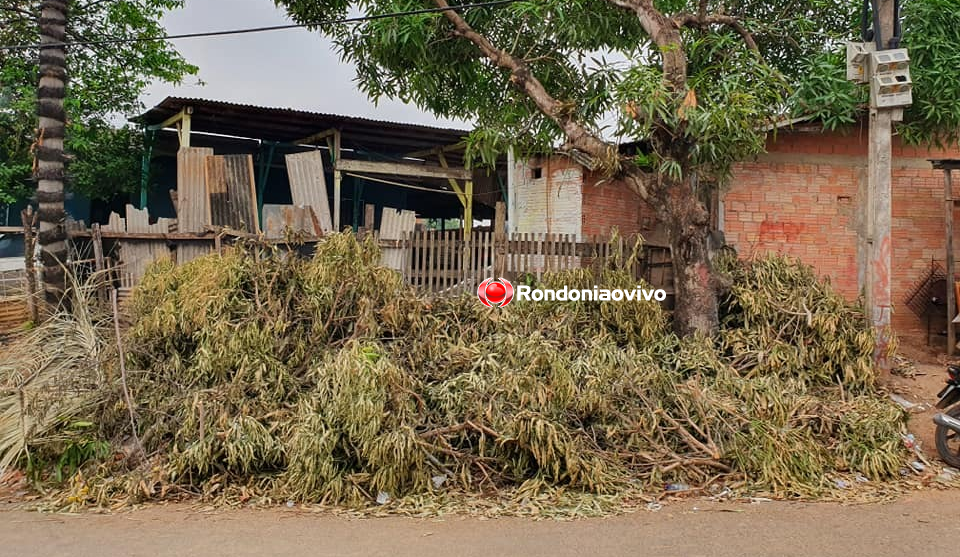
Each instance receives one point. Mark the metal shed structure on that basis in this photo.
(397, 165)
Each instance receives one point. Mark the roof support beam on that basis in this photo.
(399, 169)
(437, 150)
(182, 121)
(311, 139)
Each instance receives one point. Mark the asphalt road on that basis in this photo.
(923, 524)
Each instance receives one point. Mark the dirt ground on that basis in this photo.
(924, 378)
(922, 524)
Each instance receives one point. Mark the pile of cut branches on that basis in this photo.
(330, 380)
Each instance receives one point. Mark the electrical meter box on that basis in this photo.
(858, 57)
(890, 83)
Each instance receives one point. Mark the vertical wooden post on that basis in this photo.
(29, 219)
(369, 217)
(468, 210)
(337, 182)
(951, 270)
(500, 240)
(186, 127)
(97, 240)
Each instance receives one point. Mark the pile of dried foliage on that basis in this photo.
(328, 379)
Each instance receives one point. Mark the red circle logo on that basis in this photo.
(495, 292)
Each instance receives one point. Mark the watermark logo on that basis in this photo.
(499, 292)
(495, 292)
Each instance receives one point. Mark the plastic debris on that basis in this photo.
(726, 492)
(677, 487)
(917, 465)
(910, 441)
(907, 405)
(862, 479)
(383, 498)
(439, 480)
(841, 484)
(654, 506)
(947, 475)
(290, 504)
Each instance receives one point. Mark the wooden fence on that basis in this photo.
(443, 262)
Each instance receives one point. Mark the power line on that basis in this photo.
(358, 19)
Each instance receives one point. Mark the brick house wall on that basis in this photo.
(802, 198)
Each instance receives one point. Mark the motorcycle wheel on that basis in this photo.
(948, 441)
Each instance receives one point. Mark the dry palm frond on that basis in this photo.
(51, 376)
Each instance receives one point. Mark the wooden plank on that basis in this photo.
(420, 261)
(308, 185)
(428, 258)
(562, 262)
(403, 169)
(550, 248)
(467, 276)
(369, 217)
(14, 314)
(442, 265)
(406, 256)
(512, 251)
(434, 260)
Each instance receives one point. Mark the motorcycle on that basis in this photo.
(948, 423)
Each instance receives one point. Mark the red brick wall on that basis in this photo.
(803, 199)
(805, 211)
(611, 204)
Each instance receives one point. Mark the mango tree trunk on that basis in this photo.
(695, 291)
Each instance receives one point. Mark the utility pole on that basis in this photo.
(881, 63)
(878, 183)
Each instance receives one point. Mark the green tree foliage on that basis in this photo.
(594, 56)
(932, 35)
(106, 81)
(693, 84)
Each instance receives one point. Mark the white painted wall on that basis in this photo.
(552, 203)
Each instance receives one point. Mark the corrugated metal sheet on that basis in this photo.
(231, 196)
(308, 185)
(396, 225)
(278, 219)
(285, 124)
(192, 188)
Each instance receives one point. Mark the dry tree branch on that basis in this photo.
(123, 373)
(578, 136)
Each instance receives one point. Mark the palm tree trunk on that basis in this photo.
(49, 150)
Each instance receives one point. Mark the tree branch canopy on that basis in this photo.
(582, 74)
(105, 80)
(577, 136)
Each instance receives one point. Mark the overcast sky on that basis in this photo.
(287, 69)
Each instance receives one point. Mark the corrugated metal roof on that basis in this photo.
(288, 125)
